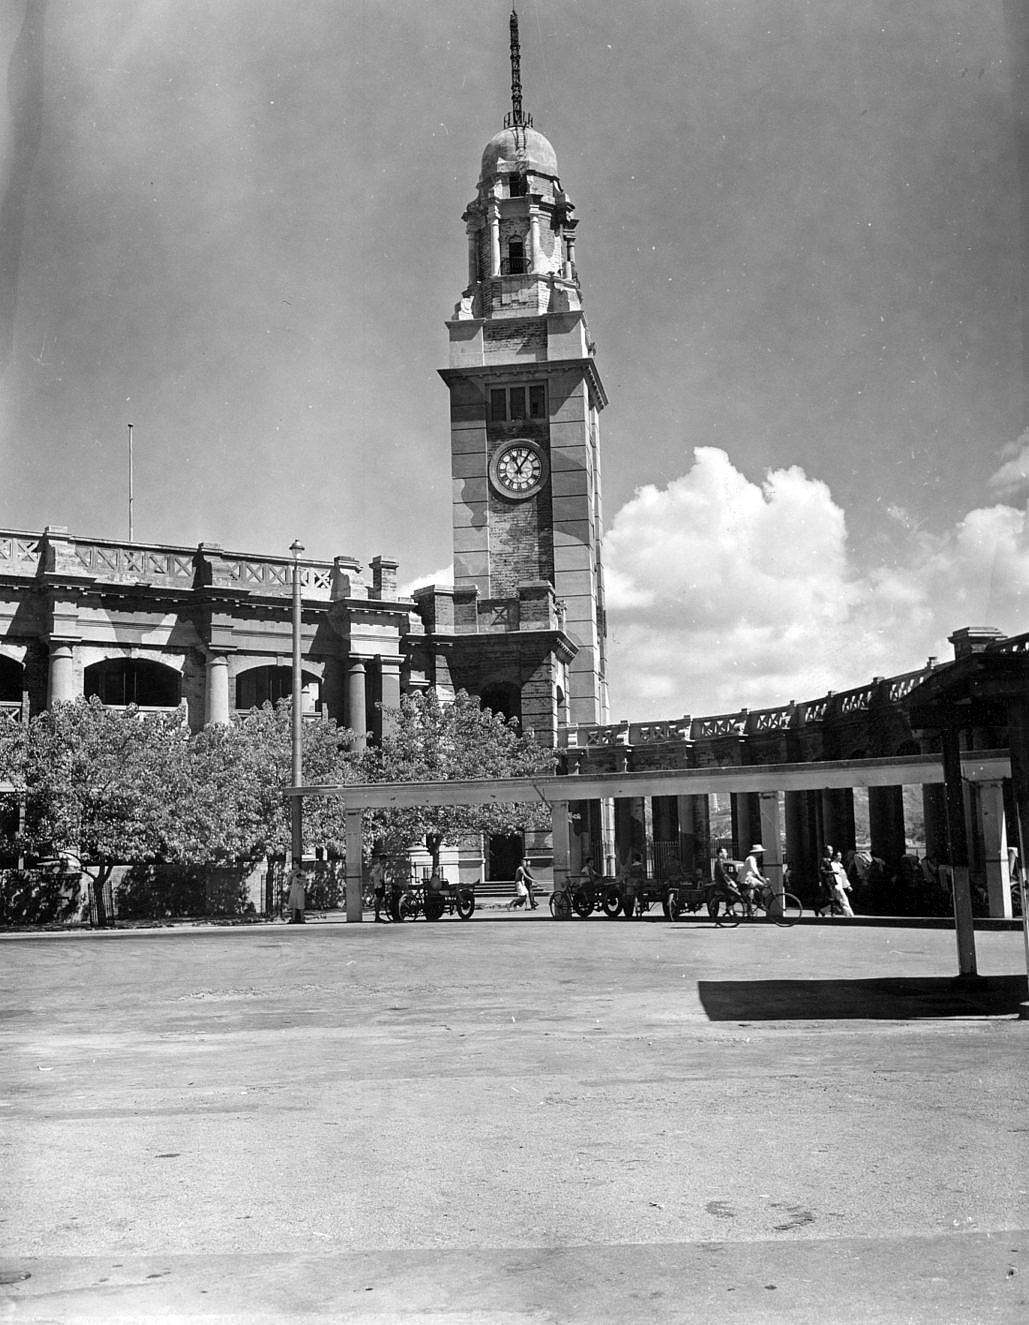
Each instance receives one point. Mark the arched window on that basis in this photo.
(515, 257)
(12, 680)
(502, 697)
(267, 685)
(121, 681)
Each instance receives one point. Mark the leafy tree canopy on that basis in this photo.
(429, 739)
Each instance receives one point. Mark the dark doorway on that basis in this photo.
(504, 855)
(11, 680)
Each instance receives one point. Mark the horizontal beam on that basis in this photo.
(906, 770)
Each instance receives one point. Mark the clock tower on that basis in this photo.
(525, 404)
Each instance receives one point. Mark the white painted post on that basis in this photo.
(354, 834)
(771, 840)
(995, 847)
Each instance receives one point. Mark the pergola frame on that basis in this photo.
(768, 780)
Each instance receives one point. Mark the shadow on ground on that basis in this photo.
(889, 999)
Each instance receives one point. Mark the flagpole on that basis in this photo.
(130, 482)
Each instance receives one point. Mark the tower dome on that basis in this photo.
(518, 148)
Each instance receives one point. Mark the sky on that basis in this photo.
(802, 247)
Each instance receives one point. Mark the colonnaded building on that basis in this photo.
(523, 626)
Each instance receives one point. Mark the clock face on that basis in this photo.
(517, 469)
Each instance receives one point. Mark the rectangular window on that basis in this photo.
(510, 402)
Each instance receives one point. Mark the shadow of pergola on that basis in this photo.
(891, 998)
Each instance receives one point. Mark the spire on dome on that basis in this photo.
(517, 118)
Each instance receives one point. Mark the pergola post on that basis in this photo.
(771, 840)
(354, 833)
(559, 813)
(957, 853)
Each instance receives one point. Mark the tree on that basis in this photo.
(114, 786)
(236, 776)
(428, 739)
(97, 787)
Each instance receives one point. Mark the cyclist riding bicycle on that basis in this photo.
(751, 879)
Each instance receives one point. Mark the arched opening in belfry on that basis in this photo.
(122, 681)
(267, 685)
(12, 680)
(515, 256)
(503, 697)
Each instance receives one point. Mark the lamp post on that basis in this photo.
(296, 804)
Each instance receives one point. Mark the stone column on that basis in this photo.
(838, 818)
(473, 256)
(216, 707)
(61, 687)
(886, 824)
(534, 242)
(665, 818)
(803, 849)
(746, 820)
(389, 671)
(694, 814)
(494, 239)
(357, 712)
(934, 807)
(990, 797)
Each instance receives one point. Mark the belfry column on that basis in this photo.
(494, 236)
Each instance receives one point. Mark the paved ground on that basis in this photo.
(513, 1120)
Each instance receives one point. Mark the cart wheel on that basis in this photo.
(465, 903)
(611, 902)
(561, 906)
(581, 904)
(672, 908)
(791, 910)
(727, 914)
(434, 906)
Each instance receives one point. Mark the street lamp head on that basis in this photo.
(296, 547)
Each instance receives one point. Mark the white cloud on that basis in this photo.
(723, 592)
(445, 575)
(1012, 479)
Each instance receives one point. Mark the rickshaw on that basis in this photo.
(434, 898)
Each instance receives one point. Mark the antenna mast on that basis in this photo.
(517, 119)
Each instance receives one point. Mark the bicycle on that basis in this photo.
(762, 903)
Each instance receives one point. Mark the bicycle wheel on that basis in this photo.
(791, 911)
(434, 906)
(672, 908)
(581, 904)
(727, 914)
(611, 902)
(408, 908)
(465, 903)
(561, 906)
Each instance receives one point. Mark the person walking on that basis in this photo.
(826, 883)
(524, 878)
(378, 880)
(840, 884)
